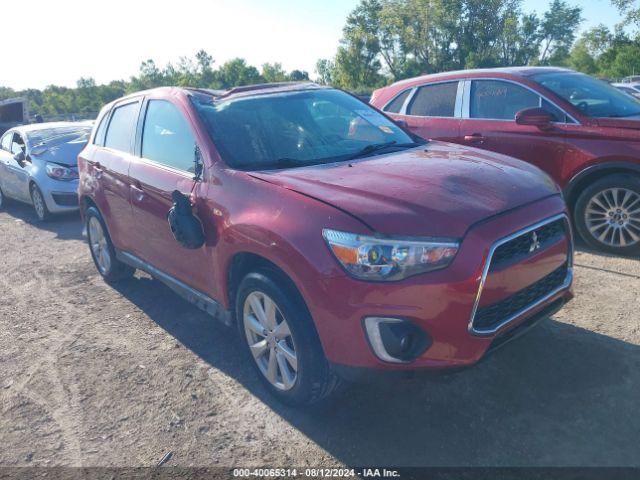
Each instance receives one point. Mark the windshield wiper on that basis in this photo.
(374, 147)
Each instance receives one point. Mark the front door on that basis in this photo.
(166, 163)
(5, 156)
(489, 123)
(15, 181)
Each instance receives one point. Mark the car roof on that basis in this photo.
(503, 71)
(242, 91)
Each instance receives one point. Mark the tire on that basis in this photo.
(3, 199)
(314, 381)
(607, 214)
(39, 204)
(102, 251)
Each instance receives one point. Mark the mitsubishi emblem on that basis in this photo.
(535, 243)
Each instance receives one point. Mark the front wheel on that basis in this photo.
(607, 214)
(281, 340)
(39, 204)
(102, 250)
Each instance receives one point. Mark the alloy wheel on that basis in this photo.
(99, 245)
(38, 203)
(270, 340)
(613, 217)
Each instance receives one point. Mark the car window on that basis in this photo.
(102, 128)
(396, 104)
(557, 114)
(17, 145)
(122, 127)
(167, 137)
(437, 100)
(592, 97)
(6, 142)
(497, 100)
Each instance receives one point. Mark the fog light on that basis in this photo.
(395, 340)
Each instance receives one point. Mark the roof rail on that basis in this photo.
(261, 86)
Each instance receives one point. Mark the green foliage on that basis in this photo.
(87, 98)
(387, 40)
(606, 54)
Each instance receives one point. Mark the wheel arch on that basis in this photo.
(591, 174)
(244, 262)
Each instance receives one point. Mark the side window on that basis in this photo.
(557, 114)
(438, 100)
(496, 100)
(122, 127)
(18, 144)
(167, 137)
(396, 104)
(6, 142)
(102, 128)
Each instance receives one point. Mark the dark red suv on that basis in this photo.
(581, 131)
(337, 242)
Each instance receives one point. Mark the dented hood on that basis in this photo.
(439, 189)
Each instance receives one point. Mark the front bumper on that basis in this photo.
(60, 196)
(442, 303)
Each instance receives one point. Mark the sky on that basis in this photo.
(64, 40)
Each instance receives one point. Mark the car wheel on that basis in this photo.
(39, 205)
(281, 340)
(607, 214)
(102, 250)
(2, 199)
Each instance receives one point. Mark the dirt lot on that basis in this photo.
(96, 376)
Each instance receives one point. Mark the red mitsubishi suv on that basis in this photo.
(581, 131)
(338, 243)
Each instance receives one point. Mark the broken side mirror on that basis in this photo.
(20, 157)
(198, 167)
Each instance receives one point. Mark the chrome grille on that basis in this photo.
(528, 244)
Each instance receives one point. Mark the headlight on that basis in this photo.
(61, 173)
(371, 258)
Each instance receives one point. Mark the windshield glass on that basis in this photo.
(297, 129)
(592, 97)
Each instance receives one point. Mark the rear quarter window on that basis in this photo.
(396, 104)
(122, 128)
(438, 100)
(102, 128)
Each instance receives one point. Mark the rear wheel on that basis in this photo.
(39, 205)
(281, 340)
(102, 250)
(607, 214)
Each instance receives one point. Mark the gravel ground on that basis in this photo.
(96, 376)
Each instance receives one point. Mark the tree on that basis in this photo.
(630, 9)
(273, 72)
(236, 72)
(325, 69)
(558, 30)
(356, 63)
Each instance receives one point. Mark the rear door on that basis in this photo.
(431, 111)
(489, 110)
(165, 162)
(109, 163)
